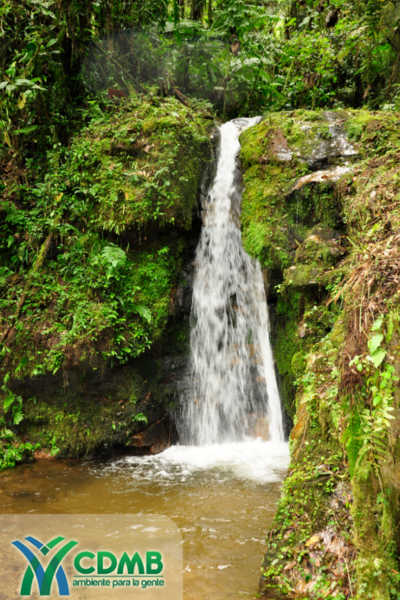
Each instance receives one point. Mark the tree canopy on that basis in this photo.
(245, 56)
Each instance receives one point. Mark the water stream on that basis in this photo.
(222, 501)
(233, 391)
(222, 484)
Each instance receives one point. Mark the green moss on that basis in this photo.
(107, 206)
(287, 343)
(376, 532)
(95, 412)
(135, 167)
(316, 494)
(313, 500)
(357, 124)
(254, 143)
(336, 310)
(90, 257)
(375, 132)
(274, 156)
(93, 303)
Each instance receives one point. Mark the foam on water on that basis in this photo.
(253, 459)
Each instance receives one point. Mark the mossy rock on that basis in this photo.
(92, 279)
(86, 414)
(275, 155)
(138, 167)
(108, 227)
(323, 218)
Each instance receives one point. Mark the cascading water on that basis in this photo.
(232, 388)
(222, 496)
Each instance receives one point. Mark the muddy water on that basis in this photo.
(221, 497)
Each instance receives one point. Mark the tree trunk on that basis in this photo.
(197, 9)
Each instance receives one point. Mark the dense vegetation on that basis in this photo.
(106, 113)
(321, 217)
(93, 250)
(242, 55)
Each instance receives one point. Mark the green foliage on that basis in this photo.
(87, 296)
(88, 266)
(12, 404)
(140, 418)
(285, 56)
(374, 421)
(246, 58)
(127, 171)
(94, 302)
(335, 325)
(238, 16)
(12, 449)
(42, 87)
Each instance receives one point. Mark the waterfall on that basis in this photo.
(232, 392)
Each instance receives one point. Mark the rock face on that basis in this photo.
(94, 324)
(84, 413)
(320, 211)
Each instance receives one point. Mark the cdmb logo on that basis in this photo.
(54, 555)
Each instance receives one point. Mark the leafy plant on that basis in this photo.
(140, 418)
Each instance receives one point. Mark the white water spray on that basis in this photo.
(233, 392)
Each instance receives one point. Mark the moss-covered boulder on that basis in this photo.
(321, 212)
(91, 262)
(292, 221)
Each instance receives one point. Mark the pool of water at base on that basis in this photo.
(222, 498)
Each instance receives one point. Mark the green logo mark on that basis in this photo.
(44, 576)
